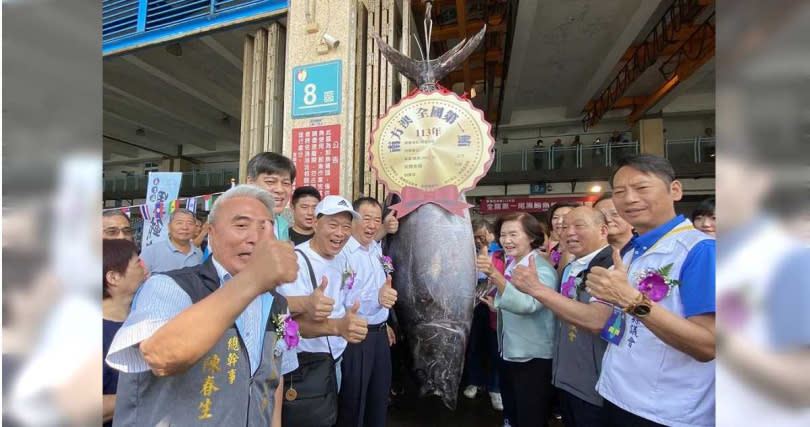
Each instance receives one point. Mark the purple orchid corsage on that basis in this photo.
(387, 264)
(572, 284)
(556, 256)
(287, 332)
(656, 284)
(348, 278)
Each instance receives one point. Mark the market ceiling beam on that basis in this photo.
(682, 64)
(222, 51)
(116, 147)
(183, 77)
(118, 110)
(679, 17)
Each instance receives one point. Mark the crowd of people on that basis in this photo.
(604, 315)
(201, 328)
(607, 318)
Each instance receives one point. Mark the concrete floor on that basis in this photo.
(409, 410)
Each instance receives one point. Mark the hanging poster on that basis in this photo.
(316, 153)
(162, 190)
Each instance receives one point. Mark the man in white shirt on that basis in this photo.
(323, 301)
(366, 366)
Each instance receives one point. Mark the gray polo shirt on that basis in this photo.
(163, 256)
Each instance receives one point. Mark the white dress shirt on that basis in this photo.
(366, 262)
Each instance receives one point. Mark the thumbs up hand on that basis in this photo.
(483, 262)
(352, 327)
(272, 262)
(320, 305)
(525, 278)
(388, 295)
(612, 285)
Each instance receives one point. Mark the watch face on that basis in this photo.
(641, 310)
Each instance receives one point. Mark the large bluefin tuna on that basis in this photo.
(435, 276)
(434, 254)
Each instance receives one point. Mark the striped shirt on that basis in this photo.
(159, 300)
(163, 256)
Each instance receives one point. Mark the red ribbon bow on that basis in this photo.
(447, 197)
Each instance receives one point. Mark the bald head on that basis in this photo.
(584, 231)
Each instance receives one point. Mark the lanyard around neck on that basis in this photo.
(672, 232)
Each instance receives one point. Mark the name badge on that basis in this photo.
(613, 331)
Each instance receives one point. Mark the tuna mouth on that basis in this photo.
(438, 355)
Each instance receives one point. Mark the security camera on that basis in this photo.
(330, 40)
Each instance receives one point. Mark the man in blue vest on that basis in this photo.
(659, 368)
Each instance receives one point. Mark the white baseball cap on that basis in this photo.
(331, 205)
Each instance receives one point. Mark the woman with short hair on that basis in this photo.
(123, 273)
(525, 326)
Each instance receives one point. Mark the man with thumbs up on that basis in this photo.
(366, 368)
(185, 324)
(661, 369)
(316, 297)
(579, 350)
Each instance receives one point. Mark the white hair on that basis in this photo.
(244, 190)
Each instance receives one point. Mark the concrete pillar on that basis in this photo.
(175, 164)
(650, 134)
(262, 94)
(367, 86)
(320, 94)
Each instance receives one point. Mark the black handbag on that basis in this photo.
(310, 392)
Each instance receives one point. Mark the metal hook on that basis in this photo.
(428, 26)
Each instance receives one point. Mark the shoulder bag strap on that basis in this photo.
(314, 286)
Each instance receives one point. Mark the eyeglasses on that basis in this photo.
(115, 231)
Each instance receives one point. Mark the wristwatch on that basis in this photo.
(641, 307)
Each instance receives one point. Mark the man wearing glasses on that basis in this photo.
(115, 225)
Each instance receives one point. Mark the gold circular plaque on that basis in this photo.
(431, 140)
(291, 394)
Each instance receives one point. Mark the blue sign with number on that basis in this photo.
(537, 189)
(316, 89)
